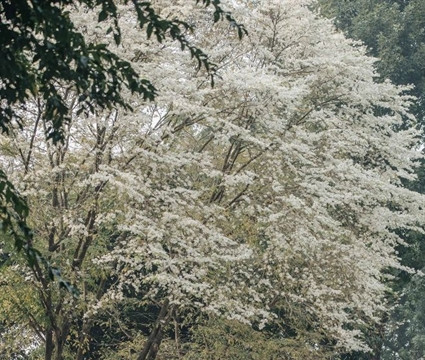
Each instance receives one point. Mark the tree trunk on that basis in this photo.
(49, 345)
(60, 338)
(150, 350)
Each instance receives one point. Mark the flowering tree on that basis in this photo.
(43, 54)
(272, 200)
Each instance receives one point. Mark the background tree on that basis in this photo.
(393, 32)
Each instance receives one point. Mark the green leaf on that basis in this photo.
(103, 15)
(149, 30)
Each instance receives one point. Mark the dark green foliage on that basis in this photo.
(41, 52)
(41, 49)
(13, 212)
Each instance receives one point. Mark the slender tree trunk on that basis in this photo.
(150, 350)
(60, 339)
(177, 334)
(59, 349)
(49, 344)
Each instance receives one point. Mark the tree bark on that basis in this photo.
(150, 350)
(49, 345)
